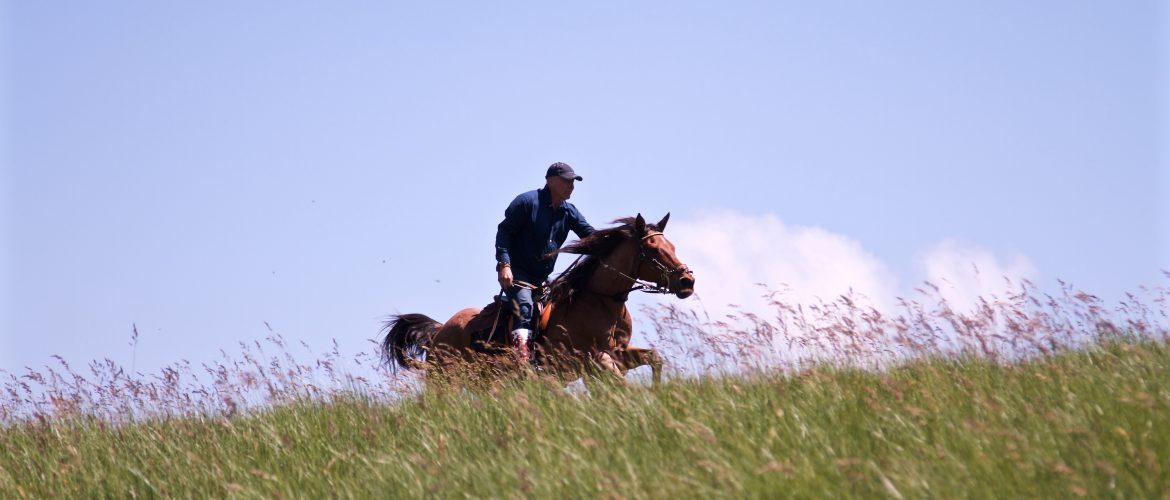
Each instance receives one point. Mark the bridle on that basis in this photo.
(664, 273)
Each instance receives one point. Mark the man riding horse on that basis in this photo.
(535, 226)
(586, 327)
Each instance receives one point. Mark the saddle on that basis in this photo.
(491, 329)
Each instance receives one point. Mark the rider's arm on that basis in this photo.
(515, 217)
(578, 224)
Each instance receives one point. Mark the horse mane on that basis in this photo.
(592, 249)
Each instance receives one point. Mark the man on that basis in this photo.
(535, 225)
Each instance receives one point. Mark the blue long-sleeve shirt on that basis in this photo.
(532, 229)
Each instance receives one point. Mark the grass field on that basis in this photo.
(1089, 418)
(1092, 423)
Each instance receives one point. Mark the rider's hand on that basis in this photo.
(505, 277)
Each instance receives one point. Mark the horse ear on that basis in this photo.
(662, 223)
(639, 225)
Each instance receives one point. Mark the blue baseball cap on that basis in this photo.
(564, 171)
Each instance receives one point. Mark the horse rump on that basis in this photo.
(408, 336)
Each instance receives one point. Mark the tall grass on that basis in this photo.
(1028, 395)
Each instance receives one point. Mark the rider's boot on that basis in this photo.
(520, 343)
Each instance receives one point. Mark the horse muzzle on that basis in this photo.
(686, 286)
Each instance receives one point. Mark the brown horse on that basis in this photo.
(586, 325)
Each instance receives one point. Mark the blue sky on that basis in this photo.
(201, 169)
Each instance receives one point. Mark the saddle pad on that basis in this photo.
(483, 338)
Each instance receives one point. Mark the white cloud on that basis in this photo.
(966, 273)
(731, 252)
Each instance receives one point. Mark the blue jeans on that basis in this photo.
(523, 299)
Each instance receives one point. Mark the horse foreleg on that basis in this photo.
(607, 364)
(601, 371)
(634, 357)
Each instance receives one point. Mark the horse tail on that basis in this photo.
(408, 336)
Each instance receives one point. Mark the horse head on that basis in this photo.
(634, 255)
(657, 261)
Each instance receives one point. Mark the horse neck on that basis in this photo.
(607, 280)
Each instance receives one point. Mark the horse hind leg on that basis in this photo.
(634, 357)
